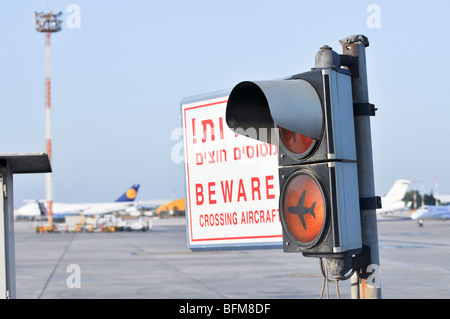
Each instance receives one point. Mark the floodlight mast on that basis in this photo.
(48, 23)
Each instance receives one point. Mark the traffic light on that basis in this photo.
(312, 116)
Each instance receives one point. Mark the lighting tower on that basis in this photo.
(48, 23)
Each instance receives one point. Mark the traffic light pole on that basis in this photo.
(355, 46)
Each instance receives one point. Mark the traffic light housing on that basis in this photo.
(312, 116)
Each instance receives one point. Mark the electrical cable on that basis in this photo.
(350, 274)
(337, 289)
(322, 266)
(325, 280)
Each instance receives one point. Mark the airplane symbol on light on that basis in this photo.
(301, 210)
(293, 135)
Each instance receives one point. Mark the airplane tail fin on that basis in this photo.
(398, 190)
(312, 210)
(42, 208)
(129, 195)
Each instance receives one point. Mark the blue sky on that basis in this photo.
(117, 83)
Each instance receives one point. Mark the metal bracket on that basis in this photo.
(361, 261)
(351, 62)
(350, 58)
(364, 109)
(369, 203)
(355, 38)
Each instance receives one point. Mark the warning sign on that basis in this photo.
(232, 186)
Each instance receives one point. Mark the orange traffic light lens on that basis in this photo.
(295, 142)
(303, 205)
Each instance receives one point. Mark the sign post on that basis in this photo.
(355, 47)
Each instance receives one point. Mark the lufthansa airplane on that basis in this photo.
(125, 203)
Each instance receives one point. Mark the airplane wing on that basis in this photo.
(302, 199)
(302, 219)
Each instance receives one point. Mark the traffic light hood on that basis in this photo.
(292, 104)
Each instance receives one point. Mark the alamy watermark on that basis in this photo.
(374, 19)
(374, 279)
(73, 20)
(74, 279)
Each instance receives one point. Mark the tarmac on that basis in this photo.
(156, 264)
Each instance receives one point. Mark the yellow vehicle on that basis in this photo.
(46, 229)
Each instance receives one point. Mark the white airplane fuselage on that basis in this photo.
(31, 209)
(431, 212)
(125, 202)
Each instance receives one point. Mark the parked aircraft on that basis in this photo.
(125, 202)
(431, 212)
(393, 201)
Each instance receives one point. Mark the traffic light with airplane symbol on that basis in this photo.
(312, 114)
